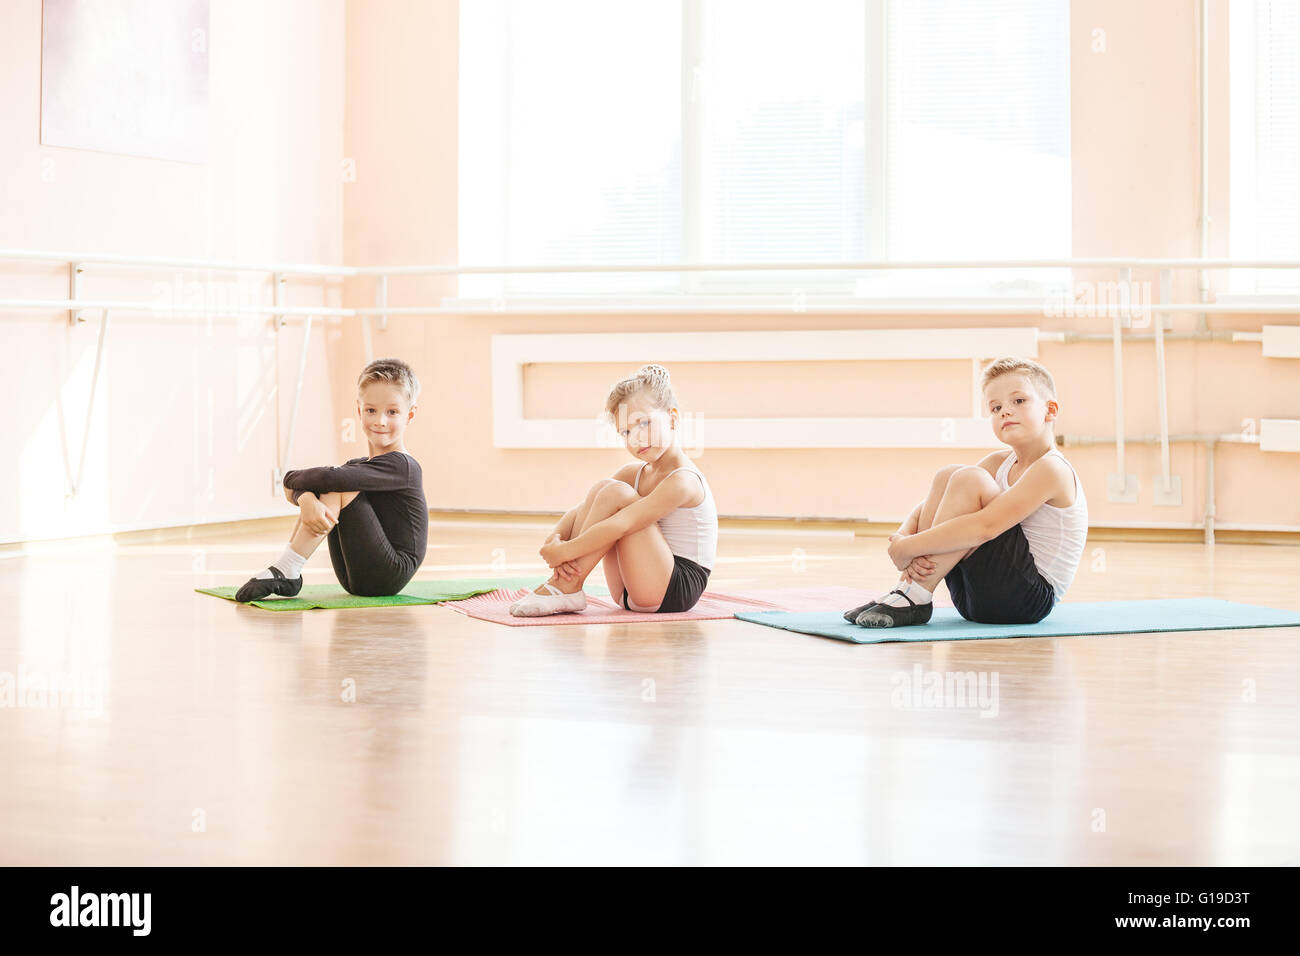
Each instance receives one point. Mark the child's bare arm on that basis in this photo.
(564, 530)
(912, 522)
(1044, 479)
(316, 517)
(921, 565)
(673, 492)
(296, 498)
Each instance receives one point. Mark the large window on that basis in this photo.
(760, 131)
(1264, 217)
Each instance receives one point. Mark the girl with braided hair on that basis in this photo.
(653, 526)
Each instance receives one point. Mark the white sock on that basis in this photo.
(289, 564)
(918, 594)
(557, 602)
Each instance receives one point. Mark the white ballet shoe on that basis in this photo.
(533, 594)
(557, 602)
(529, 594)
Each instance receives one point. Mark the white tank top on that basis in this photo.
(1055, 535)
(690, 532)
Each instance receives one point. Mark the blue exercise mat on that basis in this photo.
(1104, 617)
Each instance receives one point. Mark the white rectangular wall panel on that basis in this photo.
(510, 353)
(1279, 434)
(1282, 341)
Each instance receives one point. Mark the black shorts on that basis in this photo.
(364, 560)
(998, 583)
(684, 587)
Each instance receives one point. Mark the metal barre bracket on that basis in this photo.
(277, 284)
(75, 269)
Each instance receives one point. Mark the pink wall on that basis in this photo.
(185, 416)
(1136, 175)
(185, 428)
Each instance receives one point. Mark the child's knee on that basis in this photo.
(942, 476)
(972, 476)
(616, 493)
(601, 485)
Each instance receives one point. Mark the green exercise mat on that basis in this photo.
(332, 597)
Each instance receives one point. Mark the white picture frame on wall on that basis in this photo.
(126, 76)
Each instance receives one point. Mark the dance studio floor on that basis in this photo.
(222, 735)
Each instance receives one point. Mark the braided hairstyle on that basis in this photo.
(653, 380)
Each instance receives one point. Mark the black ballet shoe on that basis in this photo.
(852, 615)
(886, 615)
(255, 589)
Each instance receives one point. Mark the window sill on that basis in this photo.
(1258, 298)
(794, 301)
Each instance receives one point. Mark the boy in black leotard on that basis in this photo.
(371, 509)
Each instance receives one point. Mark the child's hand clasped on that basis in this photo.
(316, 518)
(552, 552)
(895, 551)
(919, 567)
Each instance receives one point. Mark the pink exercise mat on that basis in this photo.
(713, 605)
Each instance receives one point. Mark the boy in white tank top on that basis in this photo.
(1005, 535)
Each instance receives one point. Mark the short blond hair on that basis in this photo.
(1010, 364)
(391, 371)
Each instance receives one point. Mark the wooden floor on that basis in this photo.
(222, 735)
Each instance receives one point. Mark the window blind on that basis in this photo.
(759, 131)
(570, 141)
(782, 138)
(1277, 140)
(978, 131)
